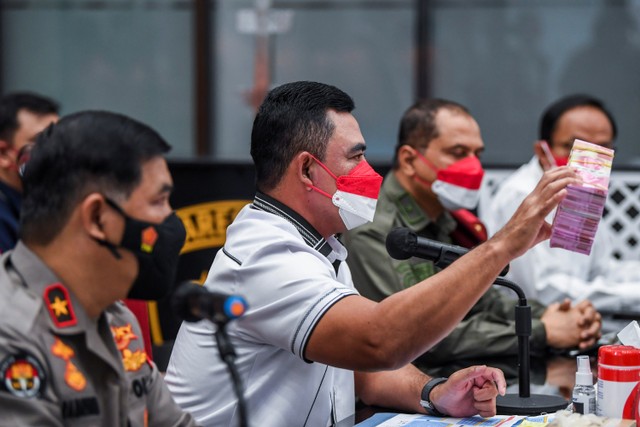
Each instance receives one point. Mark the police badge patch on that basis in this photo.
(22, 375)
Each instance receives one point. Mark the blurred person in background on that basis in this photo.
(554, 274)
(23, 116)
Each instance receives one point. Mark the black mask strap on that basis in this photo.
(115, 206)
(112, 248)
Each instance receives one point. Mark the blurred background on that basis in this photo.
(196, 69)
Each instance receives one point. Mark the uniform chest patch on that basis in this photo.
(132, 360)
(72, 375)
(22, 375)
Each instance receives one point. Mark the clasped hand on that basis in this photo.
(568, 326)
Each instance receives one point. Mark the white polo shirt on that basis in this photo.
(287, 273)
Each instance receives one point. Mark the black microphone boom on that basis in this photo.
(193, 302)
(403, 243)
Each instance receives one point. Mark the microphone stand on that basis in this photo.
(228, 356)
(525, 403)
(193, 303)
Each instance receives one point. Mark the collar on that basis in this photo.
(66, 315)
(411, 214)
(309, 234)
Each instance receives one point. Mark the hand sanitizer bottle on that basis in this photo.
(584, 393)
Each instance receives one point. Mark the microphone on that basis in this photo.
(192, 303)
(403, 243)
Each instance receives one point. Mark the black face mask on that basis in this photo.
(156, 247)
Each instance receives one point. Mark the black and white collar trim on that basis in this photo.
(309, 234)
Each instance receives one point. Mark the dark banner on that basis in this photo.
(207, 197)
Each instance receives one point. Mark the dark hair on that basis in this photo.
(292, 119)
(11, 103)
(418, 123)
(84, 152)
(552, 114)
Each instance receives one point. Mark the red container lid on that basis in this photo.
(619, 355)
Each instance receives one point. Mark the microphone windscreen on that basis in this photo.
(400, 242)
(185, 299)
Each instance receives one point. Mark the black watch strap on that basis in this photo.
(425, 400)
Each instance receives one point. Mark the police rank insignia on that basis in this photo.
(22, 375)
(72, 375)
(132, 360)
(56, 297)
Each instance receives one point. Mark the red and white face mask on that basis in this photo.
(458, 185)
(356, 195)
(561, 160)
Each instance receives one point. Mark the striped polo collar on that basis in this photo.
(309, 234)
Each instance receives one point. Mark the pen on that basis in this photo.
(547, 153)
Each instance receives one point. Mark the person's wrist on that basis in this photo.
(425, 396)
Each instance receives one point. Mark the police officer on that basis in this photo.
(96, 227)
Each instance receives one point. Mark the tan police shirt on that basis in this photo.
(60, 367)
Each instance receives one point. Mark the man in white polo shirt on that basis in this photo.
(308, 338)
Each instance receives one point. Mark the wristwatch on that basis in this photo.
(425, 401)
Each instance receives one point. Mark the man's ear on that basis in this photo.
(6, 160)
(303, 163)
(406, 157)
(93, 212)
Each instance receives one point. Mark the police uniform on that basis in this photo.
(487, 330)
(60, 367)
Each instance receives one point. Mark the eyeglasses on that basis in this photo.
(24, 154)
